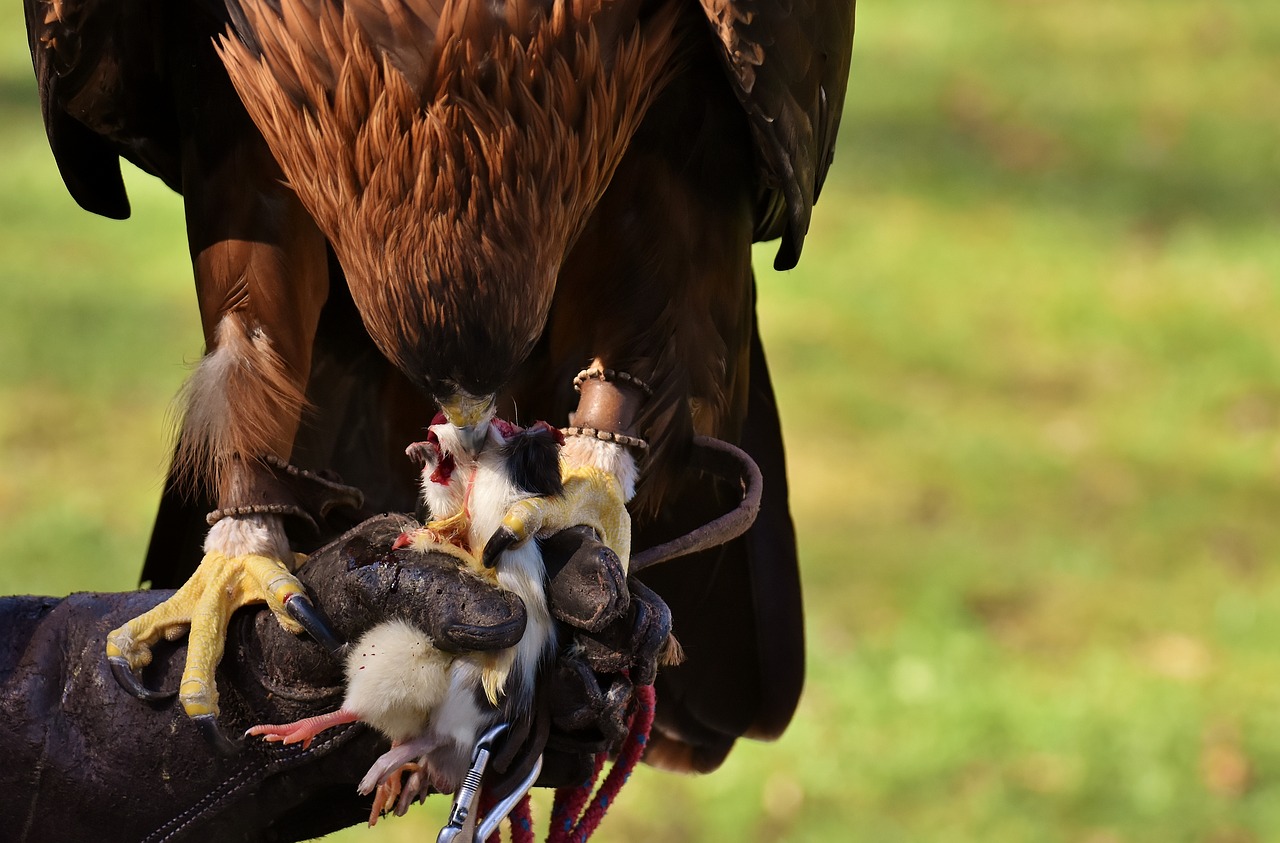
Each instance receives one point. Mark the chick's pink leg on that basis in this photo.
(303, 730)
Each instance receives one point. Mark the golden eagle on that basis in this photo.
(394, 205)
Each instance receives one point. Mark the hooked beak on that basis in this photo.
(472, 436)
(470, 415)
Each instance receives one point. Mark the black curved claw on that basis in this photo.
(212, 732)
(301, 610)
(132, 683)
(498, 543)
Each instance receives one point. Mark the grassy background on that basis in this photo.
(1030, 379)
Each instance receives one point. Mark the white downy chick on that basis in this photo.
(468, 494)
(396, 678)
(432, 705)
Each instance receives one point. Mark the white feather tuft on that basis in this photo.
(610, 457)
(235, 404)
(242, 535)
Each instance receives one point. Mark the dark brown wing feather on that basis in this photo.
(140, 80)
(788, 61)
(102, 71)
(738, 610)
(771, 554)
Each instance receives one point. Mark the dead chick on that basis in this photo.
(434, 705)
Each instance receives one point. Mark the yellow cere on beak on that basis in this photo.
(471, 415)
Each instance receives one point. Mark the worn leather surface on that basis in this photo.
(84, 760)
(612, 631)
(608, 405)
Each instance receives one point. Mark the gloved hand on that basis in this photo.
(84, 760)
(614, 632)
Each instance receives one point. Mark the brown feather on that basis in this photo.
(232, 406)
(788, 62)
(450, 176)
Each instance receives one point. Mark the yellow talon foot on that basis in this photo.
(203, 606)
(591, 497)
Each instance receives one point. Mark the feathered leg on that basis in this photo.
(261, 276)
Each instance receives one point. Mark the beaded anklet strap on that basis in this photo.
(606, 375)
(257, 509)
(607, 436)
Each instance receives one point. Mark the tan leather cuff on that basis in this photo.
(608, 405)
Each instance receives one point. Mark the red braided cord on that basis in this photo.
(521, 819)
(569, 803)
(628, 757)
(632, 749)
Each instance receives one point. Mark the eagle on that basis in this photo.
(521, 209)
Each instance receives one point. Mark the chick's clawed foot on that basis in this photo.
(592, 498)
(395, 795)
(203, 607)
(414, 757)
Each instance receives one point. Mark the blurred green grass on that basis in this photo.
(1030, 380)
